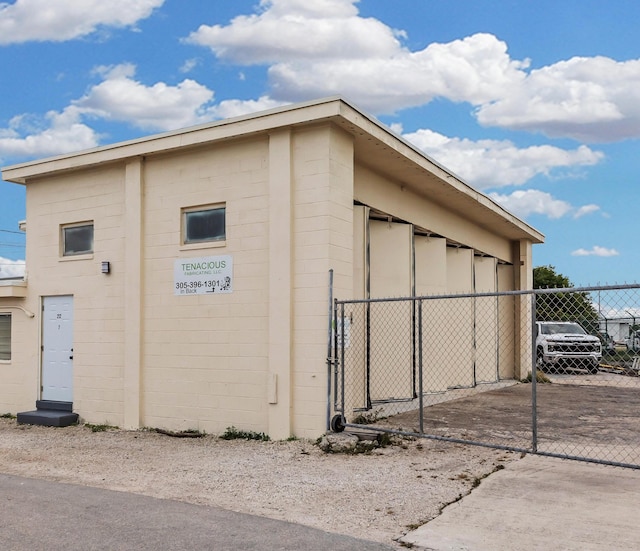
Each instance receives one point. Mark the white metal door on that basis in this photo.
(57, 348)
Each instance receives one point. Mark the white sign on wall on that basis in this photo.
(204, 275)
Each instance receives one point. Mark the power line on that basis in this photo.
(13, 231)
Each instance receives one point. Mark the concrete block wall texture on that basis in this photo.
(205, 356)
(92, 196)
(322, 240)
(16, 389)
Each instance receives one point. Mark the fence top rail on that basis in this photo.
(492, 294)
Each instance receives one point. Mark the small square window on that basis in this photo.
(203, 224)
(5, 337)
(77, 239)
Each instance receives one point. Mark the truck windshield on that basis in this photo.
(562, 328)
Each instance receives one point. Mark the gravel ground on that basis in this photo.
(378, 496)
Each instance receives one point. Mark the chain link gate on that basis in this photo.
(551, 371)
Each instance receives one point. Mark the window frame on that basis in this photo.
(63, 239)
(207, 241)
(6, 315)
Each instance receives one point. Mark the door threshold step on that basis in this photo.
(48, 418)
(54, 404)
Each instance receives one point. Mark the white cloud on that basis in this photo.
(476, 69)
(298, 30)
(589, 99)
(317, 8)
(523, 203)
(60, 20)
(586, 209)
(57, 133)
(235, 108)
(157, 107)
(595, 251)
(325, 48)
(122, 98)
(189, 65)
(526, 202)
(496, 163)
(11, 268)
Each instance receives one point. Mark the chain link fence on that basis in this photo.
(553, 372)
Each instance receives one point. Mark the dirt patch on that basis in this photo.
(591, 419)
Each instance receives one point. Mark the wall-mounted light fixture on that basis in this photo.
(106, 267)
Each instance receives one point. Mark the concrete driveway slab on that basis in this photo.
(541, 503)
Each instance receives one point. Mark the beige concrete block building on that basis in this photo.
(181, 280)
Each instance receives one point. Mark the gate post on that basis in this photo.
(534, 378)
(329, 348)
(342, 374)
(420, 390)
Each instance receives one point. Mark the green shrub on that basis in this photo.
(232, 433)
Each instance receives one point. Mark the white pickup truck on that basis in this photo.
(562, 344)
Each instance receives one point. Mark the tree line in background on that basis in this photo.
(563, 305)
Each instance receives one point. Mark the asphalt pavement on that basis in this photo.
(41, 515)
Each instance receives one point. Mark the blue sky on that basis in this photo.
(537, 104)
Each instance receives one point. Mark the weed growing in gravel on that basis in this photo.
(232, 433)
(7, 416)
(540, 378)
(385, 439)
(100, 428)
(368, 418)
